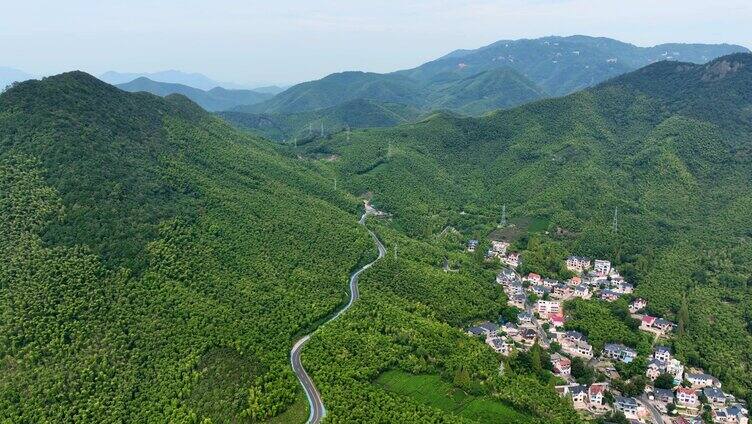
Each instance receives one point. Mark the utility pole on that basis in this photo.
(616, 220)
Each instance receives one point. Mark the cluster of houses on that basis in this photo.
(541, 320)
(690, 390)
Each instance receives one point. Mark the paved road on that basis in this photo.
(657, 417)
(315, 402)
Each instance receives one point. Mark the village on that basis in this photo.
(674, 393)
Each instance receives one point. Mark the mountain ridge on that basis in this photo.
(216, 99)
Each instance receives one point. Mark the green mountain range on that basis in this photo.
(562, 65)
(502, 75)
(158, 264)
(215, 99)
(666, 149)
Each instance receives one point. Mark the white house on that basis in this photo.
(655, 368)
(620, 352)
(578, 263)
(701, 380)
(637, 305)
(628, 406)
(596, 392)
(601, 267)
(499, 344)
(561, 364)
(512, 259)
(545, 308)
(662, 353)
(687, 398)
(578, 348)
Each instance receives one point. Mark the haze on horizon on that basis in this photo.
(287, 41)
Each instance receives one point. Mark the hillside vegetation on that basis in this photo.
(669, 145)
(304, 126)
(160, 264)
(157, 263)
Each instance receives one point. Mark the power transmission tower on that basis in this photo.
(310, 128)
(322, 128)
(615, 224)
(503, 216)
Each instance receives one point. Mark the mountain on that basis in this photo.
(493, 89)
(11, 75)
(474, 94)
(195, 80)
(502, 75)
(146, 241)
(212, 100)
(663, 153)
(358, 113)
(562, 65)
(158, 265)
(270, 89)
(339, 88)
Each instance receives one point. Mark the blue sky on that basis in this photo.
(285, 41)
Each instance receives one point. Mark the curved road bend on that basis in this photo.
(315, 402)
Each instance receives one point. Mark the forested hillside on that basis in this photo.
(215, 99)
(303, 126)
(157, 263)
(669, 145)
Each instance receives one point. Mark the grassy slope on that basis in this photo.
(668, 145)
(432, 391)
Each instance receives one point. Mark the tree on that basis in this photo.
(536, 364)
(582, 372)
(683, 316)
(462, 378)
(664, 381)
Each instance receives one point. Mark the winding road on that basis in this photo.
(315, 402)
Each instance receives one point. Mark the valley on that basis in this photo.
(535, 236)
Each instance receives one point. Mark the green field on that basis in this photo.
(432, 391)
